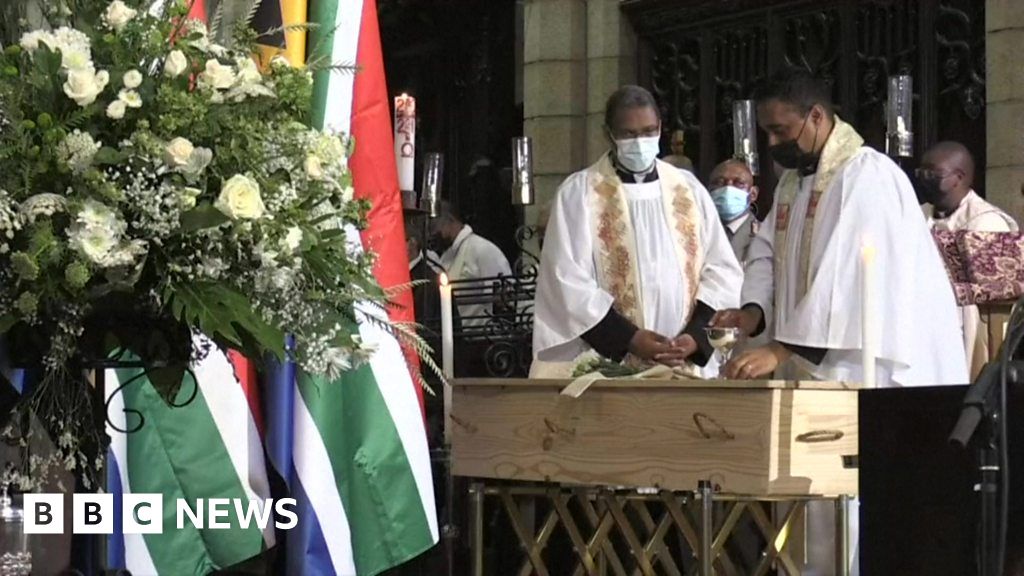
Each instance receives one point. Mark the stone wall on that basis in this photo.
(576, 53)
(1004, 35)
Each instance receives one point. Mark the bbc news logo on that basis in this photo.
(144, 513)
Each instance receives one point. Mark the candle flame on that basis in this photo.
(444, 279)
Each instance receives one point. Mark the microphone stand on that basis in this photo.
(983, 418)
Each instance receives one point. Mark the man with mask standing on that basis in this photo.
(734, 194)
(945, 181)
(836, 199)
(634, 260)
(466, 256)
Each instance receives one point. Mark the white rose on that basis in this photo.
(118, 14)
(217, 75)
(131, 98)
(292, 239)
(83, 86)
(178, 152)
(132, 79)
(348, 194)
(116, 110)
(176, 64)
(240, 198)
(314, 169)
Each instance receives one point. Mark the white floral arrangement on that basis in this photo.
(146, 171)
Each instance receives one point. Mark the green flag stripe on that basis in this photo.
(373, 475)
(179, 453)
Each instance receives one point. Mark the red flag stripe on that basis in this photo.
(374, 173)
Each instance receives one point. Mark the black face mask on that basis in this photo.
(789, 155)
(929, 190)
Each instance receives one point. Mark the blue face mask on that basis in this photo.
(730, 201)
(637, 154)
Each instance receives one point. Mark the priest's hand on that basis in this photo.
(648, 345)
(746, 319)
(756, 363)
(682, 348)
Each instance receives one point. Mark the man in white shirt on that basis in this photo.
(635, 262)
(467, 256)
(944, 180)
(734, 193)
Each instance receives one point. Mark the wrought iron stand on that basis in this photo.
(606, 514)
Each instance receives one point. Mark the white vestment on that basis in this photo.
(804, 269)
(977, 215)
(668, 273)
(869, 201)
(471, 257)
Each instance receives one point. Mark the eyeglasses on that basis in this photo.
(627, 134)
(929, 174)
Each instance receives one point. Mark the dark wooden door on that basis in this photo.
(700, 55)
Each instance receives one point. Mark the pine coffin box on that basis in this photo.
(767, 438)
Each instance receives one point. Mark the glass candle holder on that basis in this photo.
(522, 171)
(744, 134)
(15, 557)
(433, 172)
(899, 117)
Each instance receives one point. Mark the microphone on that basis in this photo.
(979, 395)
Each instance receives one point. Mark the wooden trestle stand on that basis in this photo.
(628, 446)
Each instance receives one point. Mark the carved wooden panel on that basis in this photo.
(855, 45)
(741, 61)
(674, 80)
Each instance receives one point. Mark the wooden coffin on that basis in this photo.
(753, 438)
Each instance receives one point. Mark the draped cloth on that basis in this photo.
(805, 265)
(649, 250)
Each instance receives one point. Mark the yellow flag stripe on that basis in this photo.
(295, 12)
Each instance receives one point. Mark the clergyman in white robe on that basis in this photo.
(653, 250)
(805, 265)
(976, 215)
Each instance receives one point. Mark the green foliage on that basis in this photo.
(219, 310)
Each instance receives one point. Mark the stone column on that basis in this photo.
(1004, 34)
(554, 92)
(611, 62)
(576, 53)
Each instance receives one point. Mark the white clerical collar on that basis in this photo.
(735, 225)
(939, 215)
(415, 261)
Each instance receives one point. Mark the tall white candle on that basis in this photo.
(405, 140)
(868, 318)
(447, 352)
(447, 335)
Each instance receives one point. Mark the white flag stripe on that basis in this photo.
(391, 373)
(136, 555)
(229, 408)
(313, 467)
(338, 106)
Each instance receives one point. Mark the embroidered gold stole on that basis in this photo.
(842, 144)
(618, 271)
